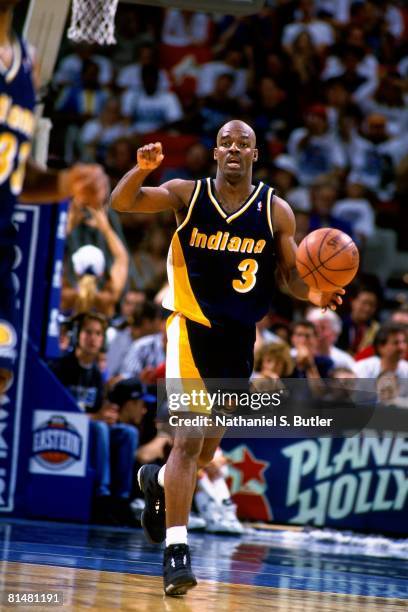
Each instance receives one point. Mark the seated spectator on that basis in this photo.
(97, 134)
(341, 386)
(308, 361)
(148, 108)
(232, 62)
(84, 100)
(355, 69)
(270, 110)
(273, 361)
(120, 158)
(356, 210)
(388, 101)
(77, 369)
(321, 32)
(284, 179)
(130, 76)
(70, 68)
(376, 155)
(219, 107)
(132, 299)
(315, 150)
(390, 392)
(338, 99)
(328, 327)
(89, 265)
(144, 321)
(324, 196)
(390, 345)
(360, 326)
(146, 353)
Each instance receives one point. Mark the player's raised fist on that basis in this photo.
(150, 156)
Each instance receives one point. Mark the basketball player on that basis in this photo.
(87, 184)
(232, 237)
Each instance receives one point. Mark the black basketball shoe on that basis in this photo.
(153, 517)
(178, 577)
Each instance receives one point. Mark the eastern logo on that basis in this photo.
(57, 444)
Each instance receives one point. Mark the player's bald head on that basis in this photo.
(237, 126)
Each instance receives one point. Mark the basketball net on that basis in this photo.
(93, 21)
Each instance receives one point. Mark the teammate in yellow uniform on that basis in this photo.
(232, 237)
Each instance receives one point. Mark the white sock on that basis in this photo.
(160, 476)
(176, 535)
(221, 489)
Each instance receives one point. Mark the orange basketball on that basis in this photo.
(327, 259)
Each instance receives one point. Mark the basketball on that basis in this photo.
(327, 259)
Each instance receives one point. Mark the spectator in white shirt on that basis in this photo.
(231, 63)
(376, 156)
(70, 68)
(314, 148)
(390, 345)
(148, 108)
(328, 327)
(321, 32)
(356, 209)
(130, 76)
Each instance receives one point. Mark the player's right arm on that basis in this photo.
(130, 195)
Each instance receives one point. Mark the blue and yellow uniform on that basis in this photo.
(221, 274)
(17, 101)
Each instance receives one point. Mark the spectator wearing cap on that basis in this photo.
(132, 398)
(314, 148)
(89, 266)
(328, 327)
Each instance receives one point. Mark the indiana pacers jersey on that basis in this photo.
(221, 265)
(17, 101)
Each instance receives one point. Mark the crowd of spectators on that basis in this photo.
(325, 86)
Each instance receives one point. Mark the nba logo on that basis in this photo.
(259, 206)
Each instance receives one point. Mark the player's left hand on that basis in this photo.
(87, 184)
(326, 299)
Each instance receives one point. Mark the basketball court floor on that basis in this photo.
(103, 568)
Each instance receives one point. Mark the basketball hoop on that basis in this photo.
(93, 21)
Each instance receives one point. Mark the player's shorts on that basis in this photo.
(8, 314)
(199, 357)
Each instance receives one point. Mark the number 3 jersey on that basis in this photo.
(17, 100)
(221, 265)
